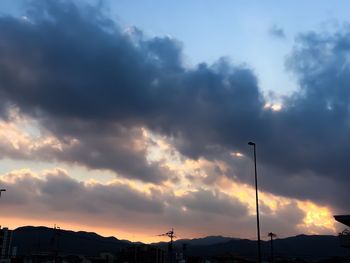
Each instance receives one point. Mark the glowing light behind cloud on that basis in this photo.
(317, 219)
(273, 106)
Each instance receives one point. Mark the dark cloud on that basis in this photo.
(83, 78)
(214, 202)
(57, 192)
(304, 154)
(310, 133)
(277, 32)
(307, 185)
(120, 149)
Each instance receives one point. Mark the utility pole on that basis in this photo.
(271, 235)
(257, 202)
(171, 235)
(55, 242)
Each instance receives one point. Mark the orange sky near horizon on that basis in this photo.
(317, 220)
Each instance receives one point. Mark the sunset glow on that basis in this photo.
(130, 119)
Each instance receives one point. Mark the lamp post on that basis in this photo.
(257, 202)
(2, 190)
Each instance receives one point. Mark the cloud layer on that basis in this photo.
(93, 90)
(119, 205)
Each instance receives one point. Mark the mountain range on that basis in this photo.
(42, 239)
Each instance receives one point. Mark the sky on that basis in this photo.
(131, 118)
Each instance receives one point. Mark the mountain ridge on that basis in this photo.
(31, 239)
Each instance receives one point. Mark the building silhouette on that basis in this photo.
(142, 253)
(5, 244)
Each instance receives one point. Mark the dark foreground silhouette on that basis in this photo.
(43, 239)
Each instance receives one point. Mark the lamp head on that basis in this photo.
(251, 143)
(2, 190)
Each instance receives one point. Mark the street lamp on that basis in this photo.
(257, 202)
(2, 190)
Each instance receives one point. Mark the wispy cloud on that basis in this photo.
(277, 32)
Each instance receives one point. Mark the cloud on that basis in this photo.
(277, 32)
(55, 192)
(123, 152)
(94, 88)
(214, 202)
(79, 72)
(54, 195)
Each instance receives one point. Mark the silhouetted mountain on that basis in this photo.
(302, 246)
(42, 239)
(205, 241)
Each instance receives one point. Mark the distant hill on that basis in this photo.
(205, 241)
(43, 239)
(313, 247)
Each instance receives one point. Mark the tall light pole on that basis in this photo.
(2, 190)
(257, 202)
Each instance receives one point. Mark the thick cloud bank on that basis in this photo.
(95, 86)
(84, 78)
(118, 205)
